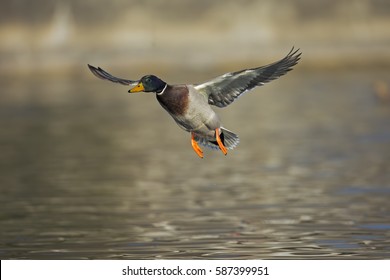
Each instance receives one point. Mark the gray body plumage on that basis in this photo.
(199, 116)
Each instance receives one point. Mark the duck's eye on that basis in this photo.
(147, 80)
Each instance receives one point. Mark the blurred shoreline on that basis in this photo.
(145, 36)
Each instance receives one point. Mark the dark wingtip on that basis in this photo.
(292, 58)
(92, 68)
(295, 52)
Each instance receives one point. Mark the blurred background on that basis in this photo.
(53, 35)
(89, 171)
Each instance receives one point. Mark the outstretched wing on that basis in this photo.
(223, 90)
(100, 73)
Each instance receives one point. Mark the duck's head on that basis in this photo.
(149, 83)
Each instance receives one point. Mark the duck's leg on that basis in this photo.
(219, 141)
(195, 146)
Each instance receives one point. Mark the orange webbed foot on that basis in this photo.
(196, 147)
(219, 141)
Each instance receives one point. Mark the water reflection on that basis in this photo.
(90, 172)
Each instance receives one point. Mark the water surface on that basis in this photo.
(88, 171)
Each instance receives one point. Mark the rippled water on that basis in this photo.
(89, 171)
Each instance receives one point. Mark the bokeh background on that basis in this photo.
(89, 171)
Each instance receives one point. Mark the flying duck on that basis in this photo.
(190, 104)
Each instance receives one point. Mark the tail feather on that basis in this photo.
(229, 139)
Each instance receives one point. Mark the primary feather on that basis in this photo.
(100, 73)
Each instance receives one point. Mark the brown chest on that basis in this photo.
(174, 99)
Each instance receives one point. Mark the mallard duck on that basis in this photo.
(190, 104)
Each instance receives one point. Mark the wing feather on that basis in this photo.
(225, 89)
(100, 73)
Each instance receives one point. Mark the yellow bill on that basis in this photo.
(138, 88)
